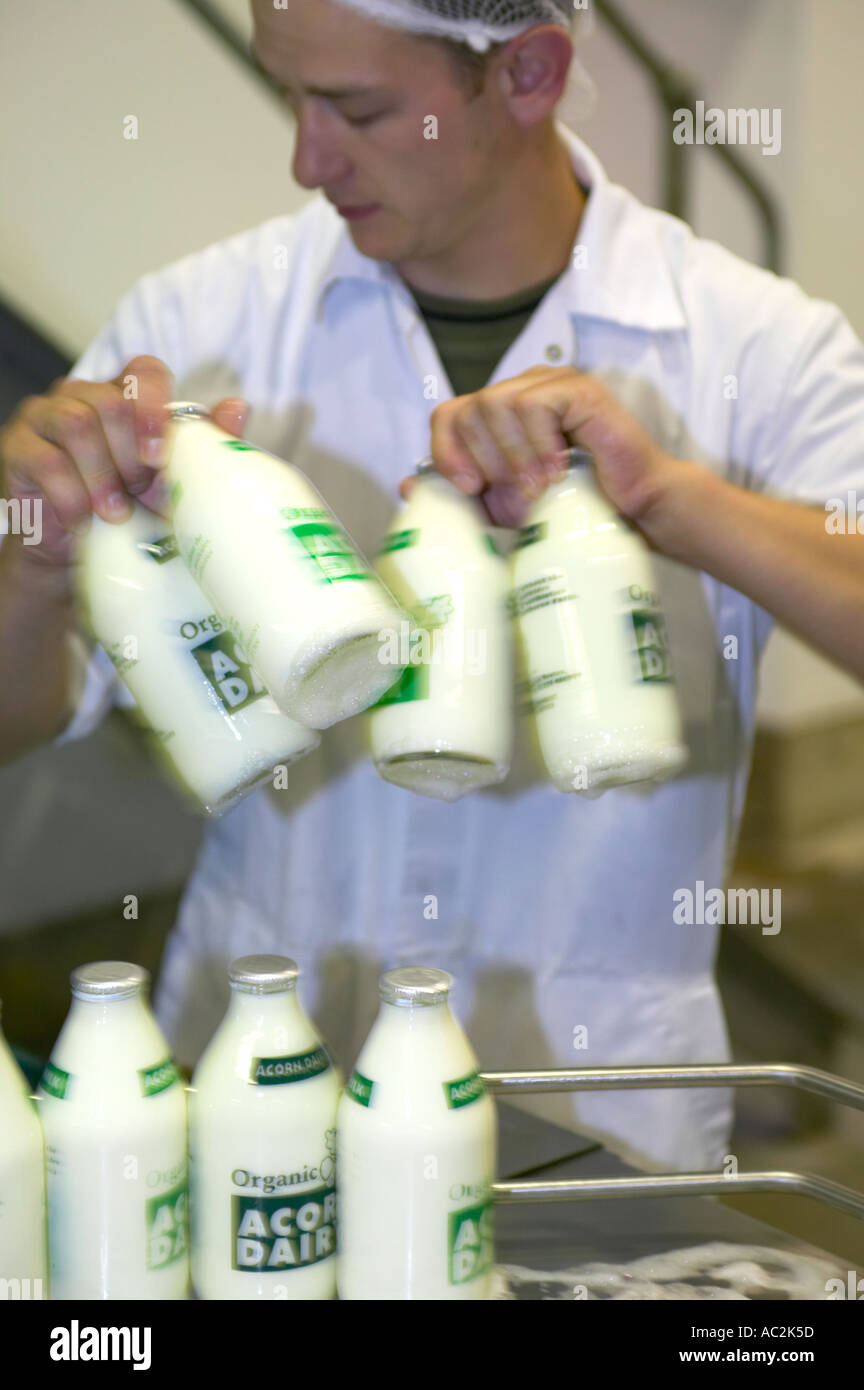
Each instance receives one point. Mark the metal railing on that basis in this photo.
(821, 1083)
(675, 91)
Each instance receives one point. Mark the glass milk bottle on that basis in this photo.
(280, 569)
(114, 1113)
(598, 679)
(23, 1249)
(215, 723)
(446, 726)
(262, 1113)
(416, 1148)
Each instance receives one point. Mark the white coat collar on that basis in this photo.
(623, 275)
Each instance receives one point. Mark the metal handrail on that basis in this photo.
(822, 1083)
(675, 90)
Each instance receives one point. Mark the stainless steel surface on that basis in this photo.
(821, 1083)
(684, 1185)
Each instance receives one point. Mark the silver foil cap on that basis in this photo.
(263, 974)
(415, 984)
(578, 458)
(109, 979)
(179, 410)
(425, 466)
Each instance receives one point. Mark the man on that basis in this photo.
(464, 239)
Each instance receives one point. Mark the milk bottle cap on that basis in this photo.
(177, 409)
(415, 984)
(108, 979)
(578, 458)
(263, 974)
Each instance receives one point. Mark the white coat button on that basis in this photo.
(554, 352)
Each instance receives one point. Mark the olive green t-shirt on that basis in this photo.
(472, 335)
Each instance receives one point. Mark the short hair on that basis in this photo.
(468, 66)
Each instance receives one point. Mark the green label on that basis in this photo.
(238, 445)
(226, 669)
(413, 684)
(280, 1071)
(330, 550)
(463, 1091)
(470, 1243)
(528, 535)
(55, 1081)
(167, 1226)
(281, 1233)
(398, 540)
(490, 543)
(158, 1078)
(651, 655)
(360, 1088)
(160, 551)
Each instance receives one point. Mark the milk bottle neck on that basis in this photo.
(109, 1014)
(256, 1010)
(421, 1020)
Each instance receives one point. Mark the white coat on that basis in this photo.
(553, 913)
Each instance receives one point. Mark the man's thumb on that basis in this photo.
(231, 415)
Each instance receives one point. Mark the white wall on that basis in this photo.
(85, 212)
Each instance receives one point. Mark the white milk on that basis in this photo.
(262, 1114)
(446, 726)
(276, 564)
(416, 1147)
(598, 677)
(23, 1249)
(214, 722)
(114, 1113)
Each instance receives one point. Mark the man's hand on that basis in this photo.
(505, 443)
(87, 447)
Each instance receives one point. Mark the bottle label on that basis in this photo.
(55, 1081)
(470, 1243)
(158, 1078)
(413, 684)
(360, 1088)
(281, 1071)
(546, 590)
(646, 626)
(464, 1090)
(160, 551)
(285, 1232)
(418, 649)
(529, 535)
(399, 540)
(329, 549)
(222, 662)
(167, 1218)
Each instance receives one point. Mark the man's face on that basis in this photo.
(363, 96)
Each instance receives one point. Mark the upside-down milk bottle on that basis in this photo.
(275, 563)
(446, 727)
(598, 679)
(213, 720)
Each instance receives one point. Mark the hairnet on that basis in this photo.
(478, 23)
